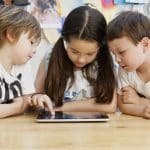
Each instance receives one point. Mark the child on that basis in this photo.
(15, 2)
(19, 35)
(80, 73)
(6, 2)
(129, 40)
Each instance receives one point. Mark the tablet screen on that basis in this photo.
(45, 116)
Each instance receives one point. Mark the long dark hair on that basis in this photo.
(88, 24)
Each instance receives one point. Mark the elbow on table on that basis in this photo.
(112, 108)
(123, 108)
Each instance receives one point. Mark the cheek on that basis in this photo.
(91, 59)
(71, 56)
(135, 60)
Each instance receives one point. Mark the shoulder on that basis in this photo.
(125, 78)
(122, 73)
(21, 68)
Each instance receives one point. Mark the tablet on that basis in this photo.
(45, 116)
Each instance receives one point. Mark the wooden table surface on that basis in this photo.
(122, 132)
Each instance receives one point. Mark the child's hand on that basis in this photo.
(42, 101)
(129, 95)
(146, 112)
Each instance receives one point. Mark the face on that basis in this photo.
(128, 55)
(81, 52)
(23, 49)
(7, 2)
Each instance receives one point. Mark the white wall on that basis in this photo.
(43, 47)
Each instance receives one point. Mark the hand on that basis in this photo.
(58, 108)
(7, 2)
(129, 95)
(41, 101)
(146, 112)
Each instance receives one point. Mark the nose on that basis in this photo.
(81, 59)
(33, 50)
(117, 58)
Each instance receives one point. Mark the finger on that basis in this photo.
(34, 100)
(28, 100)
(126, 88)
(148, 109)
(126, 100)
(49, 105)
(125, 91)
(40, 103)
(50, 108)
(147, 115)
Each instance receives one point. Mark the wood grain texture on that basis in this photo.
(122, 132)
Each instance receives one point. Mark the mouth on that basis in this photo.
(123, 66)
(29, 57)
(79, 65)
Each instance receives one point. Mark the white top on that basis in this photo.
(18, 83)
(79, 90)
(132, 79)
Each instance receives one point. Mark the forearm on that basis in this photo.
(8, 110)
(88, 105)
(132, 109)
(17, 107)
(144, 101)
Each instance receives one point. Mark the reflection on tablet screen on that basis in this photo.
(45, 116)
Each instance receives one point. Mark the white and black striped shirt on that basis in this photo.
(16, 84)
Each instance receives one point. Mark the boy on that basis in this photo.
(20, 34)
(129, 40)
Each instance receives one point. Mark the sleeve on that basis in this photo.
(122, 80)
(27, 81)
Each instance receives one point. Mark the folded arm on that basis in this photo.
(89, 105)
(141, 108)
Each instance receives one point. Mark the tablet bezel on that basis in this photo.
(76, 114)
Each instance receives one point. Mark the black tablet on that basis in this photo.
(45, 116)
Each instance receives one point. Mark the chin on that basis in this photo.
(23, 62)
(130, 69)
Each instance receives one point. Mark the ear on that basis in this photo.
(10, 37)
(146, 43)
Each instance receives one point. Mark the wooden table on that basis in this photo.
(122, 132)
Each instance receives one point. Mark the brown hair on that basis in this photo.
(133, 25)
(16, 20)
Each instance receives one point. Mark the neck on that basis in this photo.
(144, 68)
(144, 72)
(5, 59)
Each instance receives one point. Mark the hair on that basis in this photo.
(16, 21)
(133, 25)
(84, 23)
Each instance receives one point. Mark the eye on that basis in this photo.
(32, 42)
(74, 52)
(121, 52)
(89, 54)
